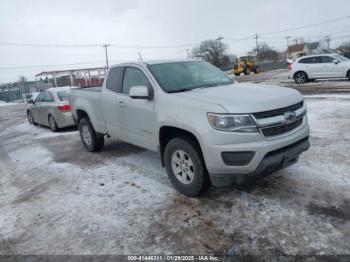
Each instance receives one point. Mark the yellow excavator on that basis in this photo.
(246, 65)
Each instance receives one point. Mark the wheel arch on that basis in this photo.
(301, 71)
(81, 114)
(166, 133)
(348, 73)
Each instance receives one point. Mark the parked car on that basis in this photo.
(309, 68)
(208, 128)
(51, 108)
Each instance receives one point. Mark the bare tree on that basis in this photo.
(211, 51)
(267, 53)
(22, 79)
(344, 47)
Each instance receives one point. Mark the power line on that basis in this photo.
(25, 67)
(307, 26)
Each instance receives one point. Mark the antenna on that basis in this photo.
(140, 57)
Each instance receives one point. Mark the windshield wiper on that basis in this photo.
(180, 90)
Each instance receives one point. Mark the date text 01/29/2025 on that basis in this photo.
(172, 258)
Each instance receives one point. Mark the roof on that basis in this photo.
(296, 48)
(68, 71)
(300, 47)
(313, 45)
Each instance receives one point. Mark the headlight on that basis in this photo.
(232, 123)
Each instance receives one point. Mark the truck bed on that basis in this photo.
(88, 100)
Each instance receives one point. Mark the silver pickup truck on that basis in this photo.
(209, 129)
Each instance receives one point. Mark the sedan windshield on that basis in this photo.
(186, 76)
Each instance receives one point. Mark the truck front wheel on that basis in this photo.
(185, 167)
(91, 140)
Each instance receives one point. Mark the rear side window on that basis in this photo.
(114, 80)
(134, 77)
(48, 97)
(63, 95)
(310, 60)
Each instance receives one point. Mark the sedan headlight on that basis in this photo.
(232, 123)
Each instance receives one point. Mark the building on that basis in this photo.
(83, 77)
(298, 50)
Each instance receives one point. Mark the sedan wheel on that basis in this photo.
(30, 118)
(52, 124)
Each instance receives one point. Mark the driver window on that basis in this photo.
(133, 77)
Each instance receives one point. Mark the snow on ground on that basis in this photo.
(3, 103)
(56, 198)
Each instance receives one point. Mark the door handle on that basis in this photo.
(121, 104)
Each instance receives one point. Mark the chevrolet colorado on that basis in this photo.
(209, 129)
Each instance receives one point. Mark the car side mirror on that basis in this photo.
(31, 101)
(139, 92)
(335, 61)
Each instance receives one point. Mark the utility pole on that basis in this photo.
(256, 43)
(287, 37)
(187, 55)
(328, 41)
(219, 40)
(140, 57)
(106, 46)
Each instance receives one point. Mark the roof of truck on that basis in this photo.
(153, 62)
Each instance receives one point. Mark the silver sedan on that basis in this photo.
(51, 108)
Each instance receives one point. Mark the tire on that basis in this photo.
(237, 74)
(91, 140)
(181, 154)
(256, 69)
(52, 124)
(30, 118)
(247, 70)
(300, 78)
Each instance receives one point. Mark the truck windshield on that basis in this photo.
(185, 76)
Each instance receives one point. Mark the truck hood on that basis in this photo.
(246, 97)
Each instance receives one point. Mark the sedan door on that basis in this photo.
(46, 106)
(35, 109)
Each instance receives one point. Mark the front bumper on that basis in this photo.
(272, 162)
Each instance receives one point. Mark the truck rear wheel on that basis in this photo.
(247, 70)
(91, 140)
(185, 167)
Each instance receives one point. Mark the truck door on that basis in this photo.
(136, 118)
(109, 100)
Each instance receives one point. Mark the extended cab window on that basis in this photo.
(134, 77)
(311, 60)
(114, 80)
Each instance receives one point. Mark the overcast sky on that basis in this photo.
(150, 23)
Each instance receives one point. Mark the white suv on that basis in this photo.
(308, 68)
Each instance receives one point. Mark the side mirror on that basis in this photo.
(31, 101)
(335, 61)
(139, 92)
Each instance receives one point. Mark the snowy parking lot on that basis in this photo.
(56, 198)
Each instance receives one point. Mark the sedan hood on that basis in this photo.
(246, 97)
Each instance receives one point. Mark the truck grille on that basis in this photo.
(282, 128)
(277, 112)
